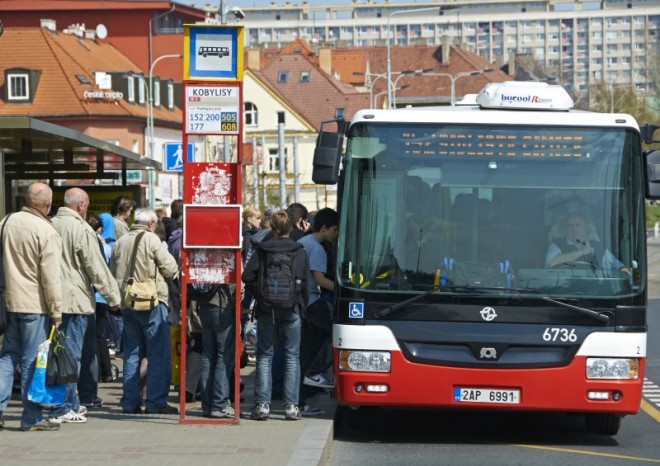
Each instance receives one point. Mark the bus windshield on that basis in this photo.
(465, 209)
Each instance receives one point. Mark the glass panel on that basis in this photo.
(466, 209)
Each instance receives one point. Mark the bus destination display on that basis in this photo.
(476, 143)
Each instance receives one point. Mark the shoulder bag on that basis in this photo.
(140, 296)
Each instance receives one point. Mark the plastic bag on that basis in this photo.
(38, 391)
(62, 367)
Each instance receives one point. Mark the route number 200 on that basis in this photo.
(559, 334)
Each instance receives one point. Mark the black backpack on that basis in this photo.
(278, 288)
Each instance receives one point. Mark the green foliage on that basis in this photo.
(652, 215)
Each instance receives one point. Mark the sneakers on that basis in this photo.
(318, 380)
(307, 411)
(260, 412)
(225, 413)
(45, 425)
(2, 423)
(292, 413)
(167, 409)
(70, 417)
(82, 410)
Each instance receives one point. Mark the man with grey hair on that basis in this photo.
(32, 252)
(145, 332)
(83, 270)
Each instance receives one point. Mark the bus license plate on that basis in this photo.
(486, 395)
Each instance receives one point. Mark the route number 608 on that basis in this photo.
(559, 334)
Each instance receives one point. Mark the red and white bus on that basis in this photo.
(450, 220)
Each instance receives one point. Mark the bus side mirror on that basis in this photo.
(327, 156)
(652, 161)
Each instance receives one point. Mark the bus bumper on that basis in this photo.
(564, 389)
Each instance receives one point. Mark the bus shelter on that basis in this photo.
(33, 149)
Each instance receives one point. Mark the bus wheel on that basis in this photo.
(601, 423)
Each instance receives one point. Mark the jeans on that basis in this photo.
(288, 331)
(219, 349)
(146, 332)
(25, 332)
(88, 383)
(74, 327)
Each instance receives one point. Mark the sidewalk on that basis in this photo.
(112, 437)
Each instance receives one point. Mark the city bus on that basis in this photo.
(449, 290)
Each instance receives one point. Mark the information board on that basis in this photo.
(212, 109)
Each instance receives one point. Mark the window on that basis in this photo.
(18, 87)
(170, 95)
(82, 79)
(274, 159)
(304, 76)
(131, 89)
(251, 114)
(156, 92)
(282, 77)
(141, 88)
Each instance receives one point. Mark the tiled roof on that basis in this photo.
(62, 59)
(429, 88)
(317, 98)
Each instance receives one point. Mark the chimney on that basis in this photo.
(512, 64)
(325, 59)
(446, 45)
(254, 59)
(49, 24)
(90, 34)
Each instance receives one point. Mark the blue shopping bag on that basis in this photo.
(38, 391)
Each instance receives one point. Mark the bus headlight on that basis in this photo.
(364, 361)
(612, 368)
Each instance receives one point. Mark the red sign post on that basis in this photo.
(212, 212)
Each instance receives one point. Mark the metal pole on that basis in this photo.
(282, 158)
(389, 61)
(255, 173)
(264, 155)
(296, 172)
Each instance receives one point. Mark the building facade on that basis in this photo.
(579, 42)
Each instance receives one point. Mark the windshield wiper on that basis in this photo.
(395, 307)
(587, 312)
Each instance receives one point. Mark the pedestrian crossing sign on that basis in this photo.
(174, 156)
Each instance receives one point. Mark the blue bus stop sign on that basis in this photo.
(174, 156)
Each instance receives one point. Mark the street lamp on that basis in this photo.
(383, 75)
(389, 61)
(393, 90)
(456, 77)
(150, 124)
(401, 75)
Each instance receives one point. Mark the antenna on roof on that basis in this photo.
(101, 31)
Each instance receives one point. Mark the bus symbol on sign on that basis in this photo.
(356, 310)
(219, 51)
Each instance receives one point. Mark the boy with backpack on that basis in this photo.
(277, 273)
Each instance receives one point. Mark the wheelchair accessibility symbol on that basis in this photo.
(356, 310)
